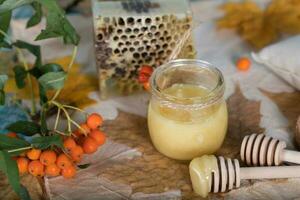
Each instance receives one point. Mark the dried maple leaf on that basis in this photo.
(289, 104)
(261, 27)
(75, 91)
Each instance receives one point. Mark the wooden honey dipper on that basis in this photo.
(259, 149)
(217, 174)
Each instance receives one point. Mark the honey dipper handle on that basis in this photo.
(270, 172)
(290, 156)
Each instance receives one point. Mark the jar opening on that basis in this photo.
(191, 72)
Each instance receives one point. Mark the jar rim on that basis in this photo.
(214, 94)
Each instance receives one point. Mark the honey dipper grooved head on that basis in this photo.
(212, 174)
(259, 149)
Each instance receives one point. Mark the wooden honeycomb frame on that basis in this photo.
(124, 44)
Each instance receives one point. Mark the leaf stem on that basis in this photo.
(57, 118)
(78, 126)
(75, 108)
(74, 54)
(19, 149)
(5, 35)
(66, 113)
(59, 132)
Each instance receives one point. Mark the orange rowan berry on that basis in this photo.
(243, 64)
(48, 157)
(89, 145)
(12, 135)
(94, 121)
(34, 154)
(22, 165)
(84, 130)
(52, 170)
(77, 153)
(146, 69)
(76, 134)
(63, 161)
(36, 168)
(69, 172)
(98, 136)
(69, 143)
(146, 86)
(143, 78)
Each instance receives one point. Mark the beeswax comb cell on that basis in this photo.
(130, 34)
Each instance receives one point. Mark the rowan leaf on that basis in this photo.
(34, 49)
(20, 76)
(5, 18)
(47, 141)
(25, 128)
(57, 24)
(8, 143)
(10, 168)
(52, 80)
(3, 79)
(51, 67)
(37, 17)
(5, 44)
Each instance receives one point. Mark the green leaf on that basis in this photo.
(17, 153)
(9, 5)
(5, 21)
(36, 72)
(37, 17)
(10, 168)
(52, 80)
(25, 127)
(44, 127)
(51, 67)
(3, 79)
(8, 143)
(57, 24)
(34, 49)
(4, 44)
(47, 141)
(5, 18)
(2, 97)
(20, 76)
(43, 95)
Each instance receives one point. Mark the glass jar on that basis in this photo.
(187, 114)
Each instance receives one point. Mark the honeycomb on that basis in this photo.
(123, 43)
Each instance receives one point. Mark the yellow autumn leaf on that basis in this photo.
(76, 89)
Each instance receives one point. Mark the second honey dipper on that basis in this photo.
(217, 174)
(261, 150)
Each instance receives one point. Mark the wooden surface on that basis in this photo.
(147, 174)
